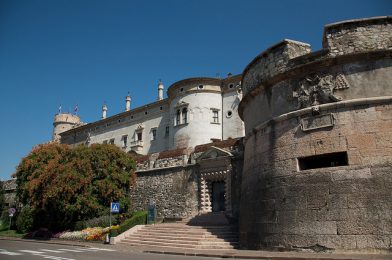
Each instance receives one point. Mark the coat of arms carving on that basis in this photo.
(315, 90)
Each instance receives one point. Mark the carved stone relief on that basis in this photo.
(316, 89)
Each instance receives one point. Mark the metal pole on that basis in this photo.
(110, 214)
(9, 228)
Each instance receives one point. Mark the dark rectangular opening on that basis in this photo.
(323, 161)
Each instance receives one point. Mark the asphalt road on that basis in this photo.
(30, 250)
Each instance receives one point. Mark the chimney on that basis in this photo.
(160, 90)
(128, 102)
(104, 109)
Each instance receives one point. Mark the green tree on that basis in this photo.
(2, 197)
(64, 185)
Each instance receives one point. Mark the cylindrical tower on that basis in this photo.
(63, 122)
(318, 155)
(196, 111)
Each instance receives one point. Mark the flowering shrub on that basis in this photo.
(89, 234)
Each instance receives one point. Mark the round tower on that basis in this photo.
(196, 111)
(63, 122)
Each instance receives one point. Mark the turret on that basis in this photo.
(128, 102)
(160, 90)
(63, 122)
(104, 109)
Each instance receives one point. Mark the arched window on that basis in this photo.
(178, 117)
(184, 115)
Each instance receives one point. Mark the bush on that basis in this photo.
(138, 218)
(25, 220)
(103, 221)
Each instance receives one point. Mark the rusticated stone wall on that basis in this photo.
(174, 191)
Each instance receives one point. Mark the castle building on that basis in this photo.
(196, 111)
(309, 166)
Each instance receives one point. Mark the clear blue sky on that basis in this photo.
(85, 52)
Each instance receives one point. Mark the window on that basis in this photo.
(139, 136)
(184, 115)
(229, 114)
(167, 131)
(153, 134)
(215, 116)
(323, 161)
(181, 89)
(160, 108)
(231, 85)
(111, 141)
(145, 112)
(105, 142)
(178, 117)
(125, 140)
(201, 86)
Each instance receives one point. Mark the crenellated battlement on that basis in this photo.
(340, 39)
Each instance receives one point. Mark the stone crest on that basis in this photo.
(314, 90)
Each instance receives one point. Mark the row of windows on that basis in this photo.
(182, 116)
(138, 137)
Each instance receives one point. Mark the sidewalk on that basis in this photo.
(259, 254)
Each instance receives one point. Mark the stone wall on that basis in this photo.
(174, 190)
(320, 105)
(340, 207)
(358, 35)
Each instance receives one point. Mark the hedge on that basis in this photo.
(138, 218)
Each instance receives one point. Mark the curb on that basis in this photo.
(240, 256)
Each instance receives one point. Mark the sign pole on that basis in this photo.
(110, 216)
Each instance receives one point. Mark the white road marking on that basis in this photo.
(32, 252)
(5, 252)
(70, 250)
(52, 251)
(103, 249)
(56, 257)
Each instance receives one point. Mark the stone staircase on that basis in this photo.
(208, 231)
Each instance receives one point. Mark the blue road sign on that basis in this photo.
(115, 207)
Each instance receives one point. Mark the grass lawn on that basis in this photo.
(4, 232)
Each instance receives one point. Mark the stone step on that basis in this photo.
(181, 246)
(187, 227)
(185, 239)
(182, 241)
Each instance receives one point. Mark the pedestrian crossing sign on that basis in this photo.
(115, 207)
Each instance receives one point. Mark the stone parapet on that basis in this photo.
(359, 35)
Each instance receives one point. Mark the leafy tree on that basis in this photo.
(64, 185)
(2, 197)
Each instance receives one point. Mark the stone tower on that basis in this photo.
(63, 122)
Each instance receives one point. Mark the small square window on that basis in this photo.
(105, 142)
(111, 141)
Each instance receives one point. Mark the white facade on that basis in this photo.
(196, 111)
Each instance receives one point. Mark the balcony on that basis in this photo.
(137, 145)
